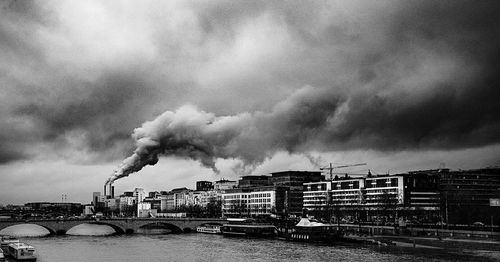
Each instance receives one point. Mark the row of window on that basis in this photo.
(252, 195)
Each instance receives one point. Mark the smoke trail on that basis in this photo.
(204, 137)
(188, 133)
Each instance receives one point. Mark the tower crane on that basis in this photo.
(331, 168)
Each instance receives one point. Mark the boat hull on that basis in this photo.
(265, 231)
(312, 235)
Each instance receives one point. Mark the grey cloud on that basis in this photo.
(411, 89)
(385, 76)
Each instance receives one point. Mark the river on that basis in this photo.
(200, 247)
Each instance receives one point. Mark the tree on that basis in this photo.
(389, 204)
(214, 207)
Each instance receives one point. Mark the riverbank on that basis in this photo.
(477, 249)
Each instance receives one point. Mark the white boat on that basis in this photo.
(209, 229)
(6, 240)
(21, 251)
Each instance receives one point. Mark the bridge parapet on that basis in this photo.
(120, 225)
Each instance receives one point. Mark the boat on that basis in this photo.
(21, 251)
(5, 241)
(2, 257)
(248, 228)
(310, 231)
(209, 229)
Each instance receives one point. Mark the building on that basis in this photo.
(374, 197)
(139, 195)
(55, 208)
(293, 182)
(224, 184)
(95, 198)
(280, 194)
(324, 198)
(252, 202)
(204, 185)
(144, 210)
(112, 205)
(175, 199)
(254, 181)
(193, 198)
(465, 195)
(127, 205)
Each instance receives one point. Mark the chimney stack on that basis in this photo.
(112, 191)
(104, 189)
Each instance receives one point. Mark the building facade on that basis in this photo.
(372, 198)
(252, 202)
(293, 182)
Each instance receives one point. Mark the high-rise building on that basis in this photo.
(294, 181)
(139, 194)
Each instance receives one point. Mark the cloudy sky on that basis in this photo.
(218, 89)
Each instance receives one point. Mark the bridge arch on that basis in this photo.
(52, 231)
(117, 228)
(175, 229)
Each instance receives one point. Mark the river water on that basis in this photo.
(150, 246)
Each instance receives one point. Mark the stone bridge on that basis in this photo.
(120, 225)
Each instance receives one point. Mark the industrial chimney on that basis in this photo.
(112, 191)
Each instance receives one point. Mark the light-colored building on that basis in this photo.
(193, 198)
(144, 210)
(355, 196)
(210, 196)
(139, 194)
(249, 202)
(383, 191)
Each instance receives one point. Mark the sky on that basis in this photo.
(160, 94)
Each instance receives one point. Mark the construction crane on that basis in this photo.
(331, 168)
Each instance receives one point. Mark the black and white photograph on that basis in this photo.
(249, 130)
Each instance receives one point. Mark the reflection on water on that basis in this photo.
(25, 230)
(91, 230)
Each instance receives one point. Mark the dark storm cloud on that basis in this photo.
(9, 153)
(461, 111)
(92, 108)
(427, 80)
